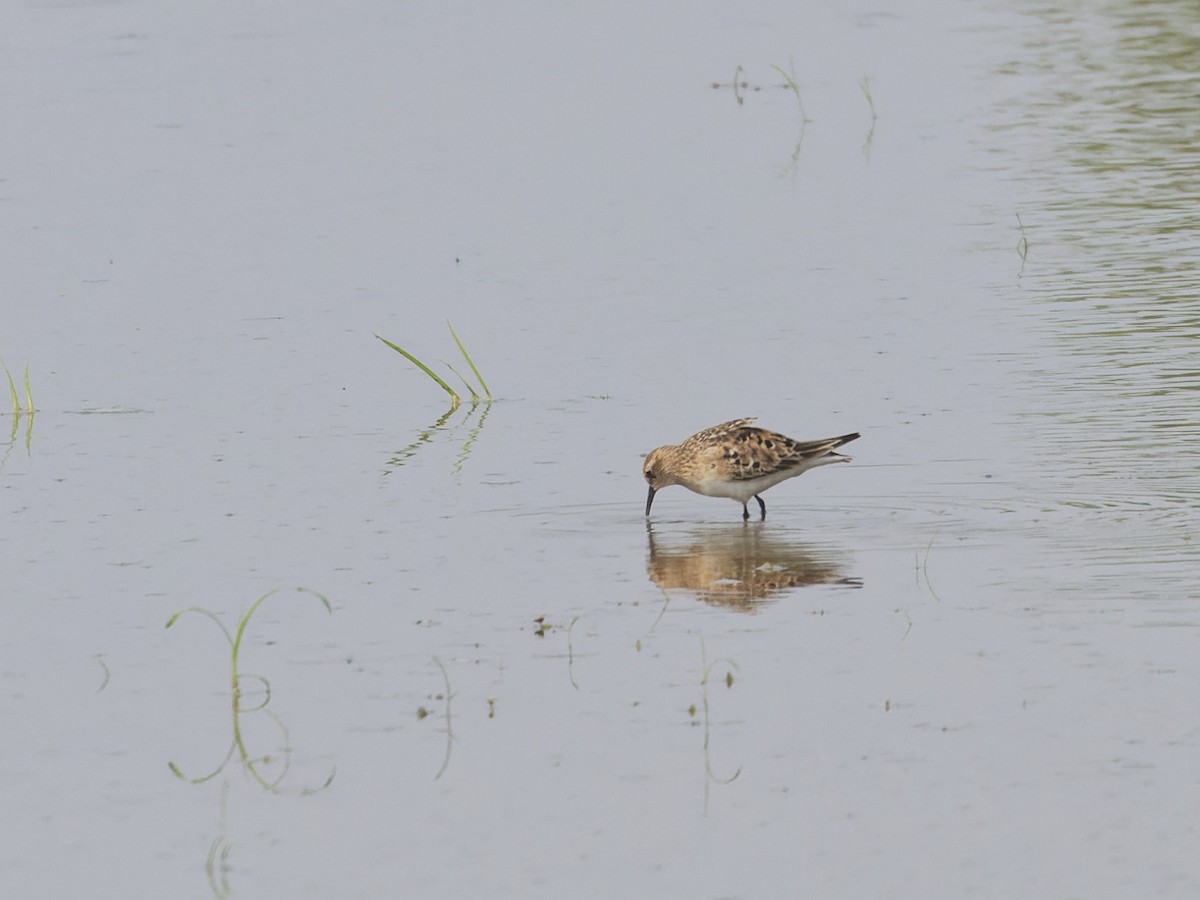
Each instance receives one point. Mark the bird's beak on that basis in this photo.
(649, 500)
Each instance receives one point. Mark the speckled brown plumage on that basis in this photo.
(737, 460)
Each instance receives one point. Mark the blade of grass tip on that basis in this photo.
(454, 397)
(466, 356)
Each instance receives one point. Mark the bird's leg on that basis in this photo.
(745, 513)
(761, 506)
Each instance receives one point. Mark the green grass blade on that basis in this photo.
(466, 356)
(28, 392)
(207, 614)
(475, 398)
(791, 82)
(12, 389)
(864, 85)
(793, 85)
(454, 397)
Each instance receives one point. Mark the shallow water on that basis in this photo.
(961, 666)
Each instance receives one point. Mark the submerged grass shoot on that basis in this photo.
(470, 362)
(241, 684)
(475, 398)
(865, 86)
(12, 389)
(707, 668)
(924, 569)
(455, 398)
(449, 722)
(16, 398)
(1022, 242)
(792, 83)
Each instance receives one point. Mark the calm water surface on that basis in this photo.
(962, 666)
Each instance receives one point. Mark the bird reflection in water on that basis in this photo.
(739, 568)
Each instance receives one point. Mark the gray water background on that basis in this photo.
(964, 665)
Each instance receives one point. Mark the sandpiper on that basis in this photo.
(738, 461)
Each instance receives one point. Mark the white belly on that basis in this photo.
(712, 485)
